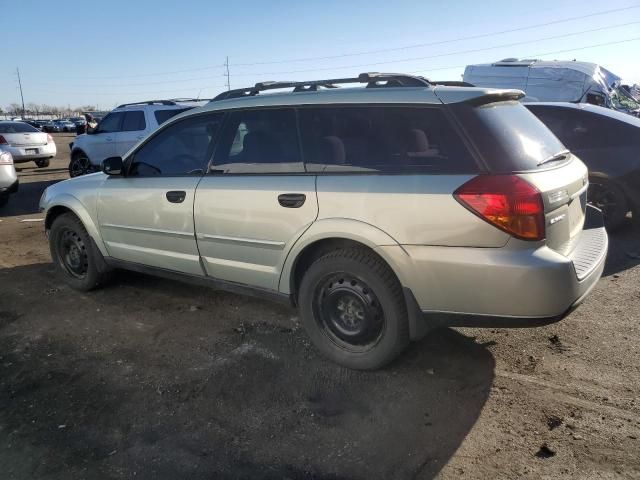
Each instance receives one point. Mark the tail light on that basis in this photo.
(49, 138)
(3, 141)
(6, 158)
(507, 202)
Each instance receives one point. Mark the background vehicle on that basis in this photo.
(66, 125)
(8, 177)
(26, 143)
(608, 142)
(51, 126)
(120, 130)
(378, 211)
(34, 123)
(555, 81)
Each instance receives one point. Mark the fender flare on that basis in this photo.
(71, 203)
(338, 228)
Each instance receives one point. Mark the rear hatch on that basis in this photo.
(512, 141)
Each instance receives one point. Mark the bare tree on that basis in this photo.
(15, 109)
(33, 108)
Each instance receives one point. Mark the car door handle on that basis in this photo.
(176, 196)
(292, 200)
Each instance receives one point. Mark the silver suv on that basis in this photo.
(379, 212)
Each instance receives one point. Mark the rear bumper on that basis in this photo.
(513, 286)
(20, 154)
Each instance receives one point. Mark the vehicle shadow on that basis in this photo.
(624, 249)
(25, 202)
(175, 381)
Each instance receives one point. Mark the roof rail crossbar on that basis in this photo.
(372, 79)
(149, 102)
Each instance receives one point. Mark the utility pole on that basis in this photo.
(226, 64)
(21, 96)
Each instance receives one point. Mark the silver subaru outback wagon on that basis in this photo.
(379, 212)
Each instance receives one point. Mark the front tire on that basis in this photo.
(42, 163)
(608, 197)
(353, 309)
(74, 254)
(79, 165)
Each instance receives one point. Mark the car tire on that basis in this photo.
(42, 163)
(75, 255)
(79, 165)
(353, 309)
(608, 197)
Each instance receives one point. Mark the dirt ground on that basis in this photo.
(154, 379)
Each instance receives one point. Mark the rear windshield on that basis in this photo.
(17, 127)
(164, 115)
(508, 136)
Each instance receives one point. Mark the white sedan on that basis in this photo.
(26, 143)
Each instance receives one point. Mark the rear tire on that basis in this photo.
(79, 165)
(42, 163)
(77, 259)
(353, 309)
(608, 197)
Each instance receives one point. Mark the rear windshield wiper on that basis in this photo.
(557, 156)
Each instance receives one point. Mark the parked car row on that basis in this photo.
(380, 212)
(61, 125)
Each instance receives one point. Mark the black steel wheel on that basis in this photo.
(42, 163)
(75, 255)
(348, 312)
(79, 165)
(353, 308)
(608, 197)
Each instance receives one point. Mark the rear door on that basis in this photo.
(256, 200)
(147, 216)
(132, 131)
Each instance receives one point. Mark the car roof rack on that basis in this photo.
(372, 79)
(452, 83)
(170, 101)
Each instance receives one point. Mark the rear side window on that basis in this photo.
(509, 137)
(134, 121)
(164, 115)
(17, 127)
(382, 139)
(259, 141)
(579, 129)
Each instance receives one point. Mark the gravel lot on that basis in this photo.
(154, 379)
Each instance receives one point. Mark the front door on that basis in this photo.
(132, 131)
(146, 217)
(101, 143)
(256, 200)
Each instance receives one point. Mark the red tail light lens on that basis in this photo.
(49, 138)
(507, 202)
(3, 141)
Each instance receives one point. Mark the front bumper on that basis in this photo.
(513, 286)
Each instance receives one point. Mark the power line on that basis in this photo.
(440, 42)
(440, 55)
(328, 57)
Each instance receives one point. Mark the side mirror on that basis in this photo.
(113, 166)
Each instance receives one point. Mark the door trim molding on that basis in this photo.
(251, 241)
(147, 229)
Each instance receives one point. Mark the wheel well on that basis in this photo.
(316, 250)
(53, 213)
(77, 151)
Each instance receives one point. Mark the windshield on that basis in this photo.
(622, 100)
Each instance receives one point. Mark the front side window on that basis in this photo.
(259, 141)
(111, 123)
(183, 148)
(381, 139)
(134, 121)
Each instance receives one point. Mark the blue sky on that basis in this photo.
(112, 51)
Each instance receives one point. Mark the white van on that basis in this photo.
(555, 81)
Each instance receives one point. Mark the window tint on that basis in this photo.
(133, 121)
(382, 139)
(259, 141)
(17, 127)
(111, 123)
(579, 129)
(183, 148)
(164, 115)
(509, 137)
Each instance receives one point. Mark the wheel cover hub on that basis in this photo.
(73, 253)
